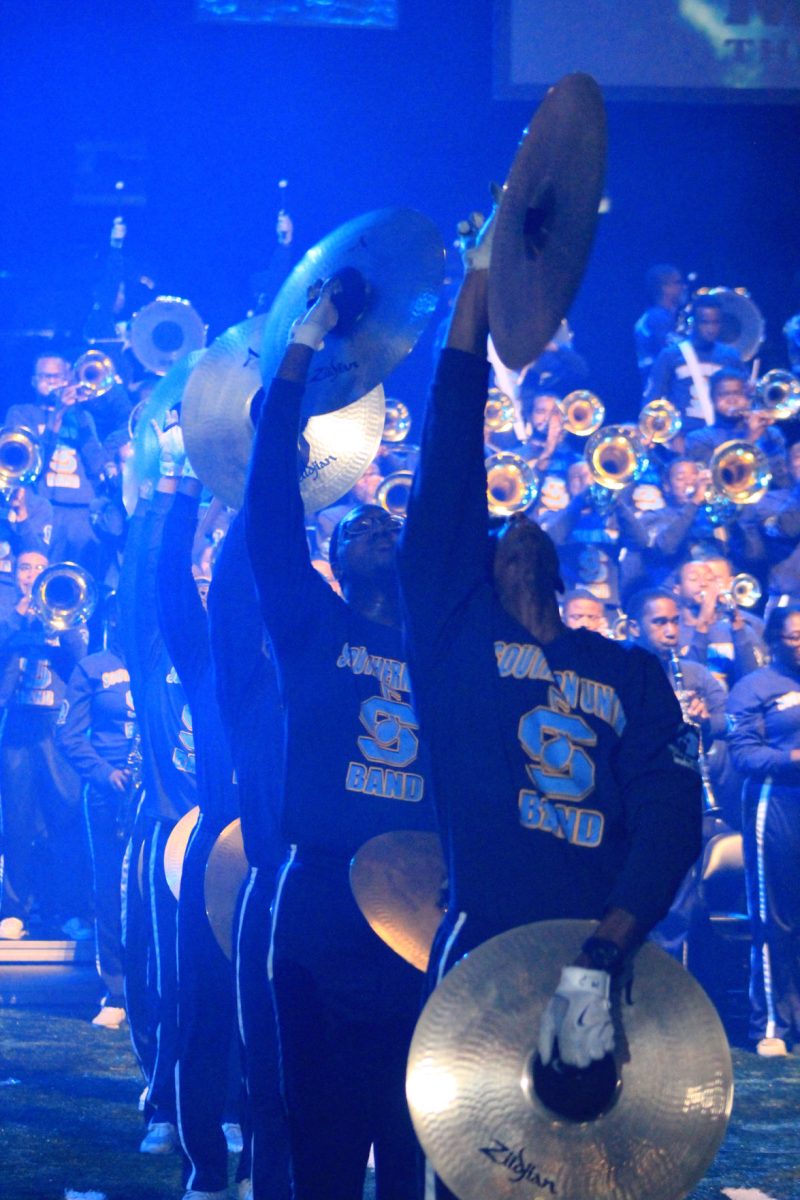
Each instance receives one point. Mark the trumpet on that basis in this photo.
(20, 459)
(397, 421)
(659, 421)
(393, 494)
(744, 592)
(583, 413)
(63, 597)
(616, 456)
(93, 374)
(778, 393)
(512, 484)
(498, 416)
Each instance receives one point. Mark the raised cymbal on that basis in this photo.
(226, 871)
(546, 220)
(175, 849)
(166, 395)
(398, 881)
(400, 255)
(485, 1130)
(218, 430)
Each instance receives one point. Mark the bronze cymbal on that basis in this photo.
(480, 1121)
(226, 871)
(546, 220)
(218, 430)
(175, 849)
(398, 880)
(400, 256)
(166, 395)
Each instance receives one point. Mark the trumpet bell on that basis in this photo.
(740, 472)
(63, 596)
(616, 456)
(20, 458)
(498, 416)
(511, 484)
(95, 372)
(165, 331)
(397, 422)
(659, 421)
(779, 393)
(393, 494)
(745, 590)
(583, 413)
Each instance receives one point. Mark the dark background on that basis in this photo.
(355, 119)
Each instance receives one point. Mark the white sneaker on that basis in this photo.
(161, 1138)
(193, 1195)
(244, 1189)
(772, 1048)
(233, 1137)
(77, 930)
(109, 1017)
(12, 929)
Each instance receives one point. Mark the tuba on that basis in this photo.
(616, 456)
(778, 393)
(20, 458)
(393, 493)
(742, 323)
(511, 484)
(659, 421)
(164, 331)
(63, 596)
(583, 413)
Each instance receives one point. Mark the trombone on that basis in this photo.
(778, 393)
(616, 456)
(498, 415)
(20, 459)
(512, 484)
(397, 421)
(63, 597)
(393, 494)
(659, 422)
(583, 413)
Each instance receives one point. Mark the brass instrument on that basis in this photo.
(512, 484)
(20, 459)
(583, 413)
(683, 697)
(95, 374)
(659, 421)
(616, 456)
(742, 323)
(63, 596)
(744, 592)
(393, 493)
(396, 422)
(740, 473)
(164, 331)
(778, 393)
(620, 628)
(498, 416)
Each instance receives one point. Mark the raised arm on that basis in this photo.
(181, 614)
(235, 625)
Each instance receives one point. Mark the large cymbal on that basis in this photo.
(400, 256)
(226, 871)
(484, 1128)
(218, 430)
(547, 219)
(175, 849)
(166, 395)
(398, 880)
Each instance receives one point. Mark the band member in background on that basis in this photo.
(44, 853)
(735, 419)
(582, 610)
(714, 630)
(565, 782)
(656, 326)
(208, 1077)
(26, 521)
(250, 707)
(96, 731)
(764, 708)
(346, 1004)
(168, 773)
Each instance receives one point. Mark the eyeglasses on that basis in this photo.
(362, 525)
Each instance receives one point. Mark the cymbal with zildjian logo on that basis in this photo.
(472, 1091)
(333, 449)
(391, 265)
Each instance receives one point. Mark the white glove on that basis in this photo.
(171, 452)
(579, 1015)
(477, 251)
(311, 327)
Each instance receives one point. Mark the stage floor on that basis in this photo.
(69, 1091)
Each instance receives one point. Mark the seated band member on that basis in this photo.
(565, 782)
(346, 1004)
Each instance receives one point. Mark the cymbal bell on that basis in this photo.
(399, 255)
(334, 450)
(546, 219)
(398, 880)
(471, 1090)
(175, 849)
(226, 871)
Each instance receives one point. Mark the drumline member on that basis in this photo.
(346, 1004)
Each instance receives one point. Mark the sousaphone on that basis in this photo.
(546, 220)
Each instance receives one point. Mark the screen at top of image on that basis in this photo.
(373, 14)
(652, 44)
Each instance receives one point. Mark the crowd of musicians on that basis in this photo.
(137, 682)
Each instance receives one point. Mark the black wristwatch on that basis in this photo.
(603, 954)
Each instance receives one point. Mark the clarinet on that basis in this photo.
(709, 800)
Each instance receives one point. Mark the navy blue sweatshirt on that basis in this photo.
(97, 721)
(564, 779)
(184, 627)
(248, 697)
(354, 767)
(764, 711)
(73, 457)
